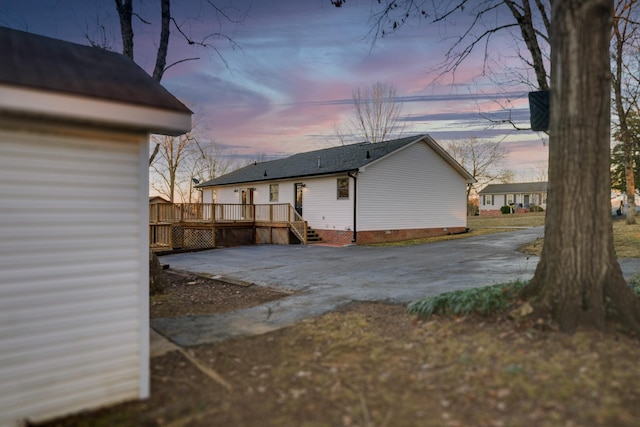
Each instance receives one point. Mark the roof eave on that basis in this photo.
(39, 103)
(284, 178)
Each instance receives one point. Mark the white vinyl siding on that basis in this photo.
(208, 195)
(322, 210)
(73, 288)
(412, 188)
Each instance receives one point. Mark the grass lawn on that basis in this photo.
(505, 222)
(626, 237)
(481, 225)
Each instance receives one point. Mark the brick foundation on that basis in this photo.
(342, 237)
(498, 212)
(381, 236)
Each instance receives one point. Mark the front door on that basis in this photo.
(247, 202)
(298, 196)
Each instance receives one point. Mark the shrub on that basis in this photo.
(484, 301)
(635, 284)
(535, 208)
(505, 209)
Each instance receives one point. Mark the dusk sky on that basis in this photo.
(289, 81)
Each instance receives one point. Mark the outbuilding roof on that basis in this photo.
(82, 74)
(334, 160)
(51, 64)
(515, 187)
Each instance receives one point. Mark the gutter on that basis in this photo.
(354, 175)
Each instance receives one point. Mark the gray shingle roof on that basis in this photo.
(517, 187)
(34, 61)
(332, 160)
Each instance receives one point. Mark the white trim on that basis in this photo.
(37, 102)
(144, 389)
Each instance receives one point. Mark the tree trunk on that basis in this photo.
(163, 46)
(157, 284)
(578, 280)
(524, 18)
(125, 12)
(630, 179)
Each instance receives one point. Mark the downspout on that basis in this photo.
(354, 175)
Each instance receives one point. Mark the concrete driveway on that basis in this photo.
(324, 278)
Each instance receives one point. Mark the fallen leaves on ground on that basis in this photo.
(373, 365)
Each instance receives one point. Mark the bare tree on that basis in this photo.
(507, 176)
(578, 281)
(481, 159)
(183, 162)
(522, 20)
(541, 172)
(126, 14)
(518, 17)
(213, 162)
(625, 45)
(376, 114)
(173, 150)
(204, 162)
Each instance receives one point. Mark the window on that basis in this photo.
(273, 192)
(510, 199)
(488, 199)
(343, 188)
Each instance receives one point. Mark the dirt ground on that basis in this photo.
(190, 295)
(373, 365)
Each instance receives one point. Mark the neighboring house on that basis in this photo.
(388, 191)
(521, 196)
(74, 159)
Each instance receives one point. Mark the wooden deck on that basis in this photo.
(197, 225)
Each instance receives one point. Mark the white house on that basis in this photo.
(74, 255)
(521, 196)
(388, 191)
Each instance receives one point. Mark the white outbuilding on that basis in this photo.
(74, 130)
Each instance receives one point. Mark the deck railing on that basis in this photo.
(221, 212)
(298, 224)
(211, 213)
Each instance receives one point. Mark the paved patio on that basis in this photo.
(325, 278)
